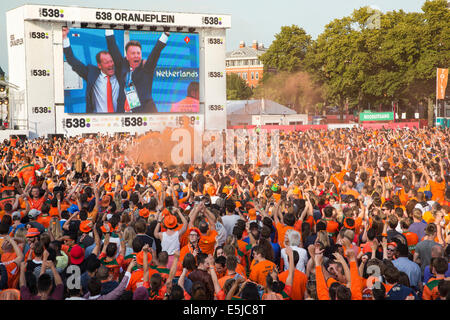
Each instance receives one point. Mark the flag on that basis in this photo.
(442, 79)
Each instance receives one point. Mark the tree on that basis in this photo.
(359, 65)
(237, 88)
(288, 50)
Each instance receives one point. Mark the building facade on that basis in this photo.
(245, 62)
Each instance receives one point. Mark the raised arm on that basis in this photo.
(77, 65)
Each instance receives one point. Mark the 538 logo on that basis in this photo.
(212, 20)
(41, 110)
(214, 74)
(40, 73)
(103, 15)
(38, 35)
(215, 41)
(74, 123)
(133, 122)
(215, 107)
(51, 13)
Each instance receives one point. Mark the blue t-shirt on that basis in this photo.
(427, 275)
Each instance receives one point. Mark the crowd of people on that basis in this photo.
(349, 214)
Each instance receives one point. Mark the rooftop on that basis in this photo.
(254, 107)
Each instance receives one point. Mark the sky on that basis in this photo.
(251, 20)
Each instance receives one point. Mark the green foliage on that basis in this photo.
(237, 88)
(368, 58)
(288, 50)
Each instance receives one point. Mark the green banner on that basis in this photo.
(376, 116)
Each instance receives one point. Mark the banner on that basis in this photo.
(376, 116)
(442, 79)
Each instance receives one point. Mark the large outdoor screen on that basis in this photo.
(127, 71)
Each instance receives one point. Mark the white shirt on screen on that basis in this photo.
(100, 93)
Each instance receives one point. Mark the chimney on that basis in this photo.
(260, 46)
(255, 44)
(242, 44)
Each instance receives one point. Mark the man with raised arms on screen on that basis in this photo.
(136, 73)
(105, 89)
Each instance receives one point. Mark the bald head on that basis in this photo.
(437, 251)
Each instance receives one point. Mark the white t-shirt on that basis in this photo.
(229, 221)
(170, 244)
(302, 261)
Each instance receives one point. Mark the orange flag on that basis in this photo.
(442, 79)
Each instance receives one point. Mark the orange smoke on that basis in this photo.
(157, 146)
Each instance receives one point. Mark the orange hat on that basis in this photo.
(252, 214)
(140, 258)
(170, 221)
(32, 232)
(238, 204)
(144, 213)
(104, 229)
(85, 227)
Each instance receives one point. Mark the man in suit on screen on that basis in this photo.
(137, 73)
(105, 89)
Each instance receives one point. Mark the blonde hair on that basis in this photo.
(128, 236)
(55, 228)
(20, 235)
(322, 237)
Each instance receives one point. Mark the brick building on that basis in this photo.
(245, 62)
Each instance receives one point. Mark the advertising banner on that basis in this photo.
(215, 81)
(376, 116)
(129, 17)
(40, 78)
(442, 79)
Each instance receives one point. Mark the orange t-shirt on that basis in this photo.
(298, 285)
(207, 242)
(137, 279)
(259, 271)
(438, 191)
(27, 173)
(11, 267)
(45, 221)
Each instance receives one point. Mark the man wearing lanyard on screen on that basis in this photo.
(104, 90)
(137, 73)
